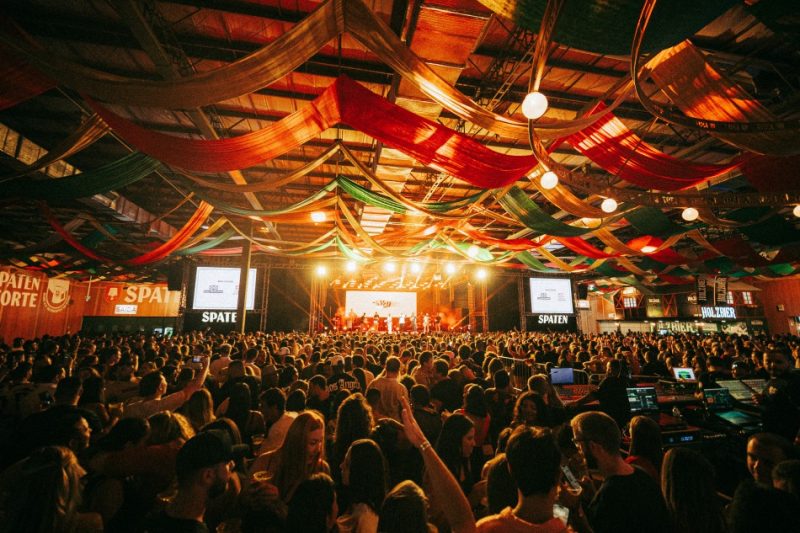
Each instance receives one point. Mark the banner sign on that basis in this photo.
(718, 312)
(721, 290)
(701, 289)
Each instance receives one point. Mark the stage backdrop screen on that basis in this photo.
(384, 303)
(551, 296)
(218, 288)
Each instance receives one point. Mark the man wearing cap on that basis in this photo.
(203, 468)
(341, 380)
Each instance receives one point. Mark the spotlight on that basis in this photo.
(549, 180)
(416, 268)
(318, 216)
(351, 266)
(609, 205)
(322, 270)
(649, 249)
(450, 268)
(534, 105)
(689, 214)
(481, 274)
(389, 267)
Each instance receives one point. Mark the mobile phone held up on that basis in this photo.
(197, 359)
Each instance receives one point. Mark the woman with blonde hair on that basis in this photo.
(46, 495)
(199, 409)
(301, 455)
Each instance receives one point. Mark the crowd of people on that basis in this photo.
(367, 432)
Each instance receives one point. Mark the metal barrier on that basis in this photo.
(519, 370)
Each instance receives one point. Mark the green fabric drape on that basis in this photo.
(350, 253)
(606, 27)
(226, 207)
(652, 221)
(517, 203)
(216, 241)
(111, 177)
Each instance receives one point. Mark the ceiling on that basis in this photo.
(483, 55)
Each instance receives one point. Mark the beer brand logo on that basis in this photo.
(57, 296)
(112, 294)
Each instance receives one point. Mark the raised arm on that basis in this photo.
(455, 506)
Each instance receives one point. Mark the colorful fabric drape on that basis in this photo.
(607, 27)
(767, 173)
(614, 147)
(87, 133)
(111, 177)
(157, 254)
(704, 93)
(652, 221)
(277, 59)
(19, 80)
(347, 102)
(517, 203)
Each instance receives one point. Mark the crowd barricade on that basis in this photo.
(519, 370)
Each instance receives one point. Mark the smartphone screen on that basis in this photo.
(197, 359)
(561, 512)
(570, 477)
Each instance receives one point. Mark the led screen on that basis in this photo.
(381, 302)
(551, 296)
(218, 288)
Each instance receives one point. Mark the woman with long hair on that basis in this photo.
(249, 421)
(475, 409)
(46, 495)
(313, 507)
(93, 398)
(199, 409)
(364, 473)
(529, 410)
(353, 421)
(301, 455)
(646, 449)
(555, 411)
(687, 483)
(455, 445)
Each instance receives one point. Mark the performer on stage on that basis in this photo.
(426, 323)
(414, 322)
(401, 322)
(389, 323)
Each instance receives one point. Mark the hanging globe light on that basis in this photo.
(689, 214)
(796, 211)
(534, 105)
(548, 180)
(609, 205)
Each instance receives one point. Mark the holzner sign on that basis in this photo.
(718, 312)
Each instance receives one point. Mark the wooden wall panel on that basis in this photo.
(32, 305)
(779, 294)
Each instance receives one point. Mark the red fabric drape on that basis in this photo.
(513, 245)
(157, 254)
(19, 81)
(581, 247)
(346, 102)
(767, 173)
(611, 145)
(667, 255)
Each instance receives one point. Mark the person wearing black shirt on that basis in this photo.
(612, 394)
(629, 500)
(341, 380)
(780, 400)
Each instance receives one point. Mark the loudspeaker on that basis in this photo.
(175, 277)
(583, 292)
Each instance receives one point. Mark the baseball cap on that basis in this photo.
(205, 449)
(337, 360)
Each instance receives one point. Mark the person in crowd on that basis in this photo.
(424, 374)
(534, 461)
(319, 397)
(612, 394)
(628, 500)
(354, 422)
(203, 470)
(780, 400)
(341, 380)
(365, 476)
(764, 452)
(43, 493)
(555, 413)
(786, 476)
(455, 445)
(273, 407)
(250, 422)
(220, 364)
(427, 418)
(313, 507)
(474, 408)
(529, 410)
(646, 449)
(152, 388)
(301, 455)
(687, 483)
(446, 393)
(757, 507)
(199, 409)
(392, 391)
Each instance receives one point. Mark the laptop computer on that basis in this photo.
(683, 374)
(719, 402)
(644, 401)
(742, 389)
(562, 376)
